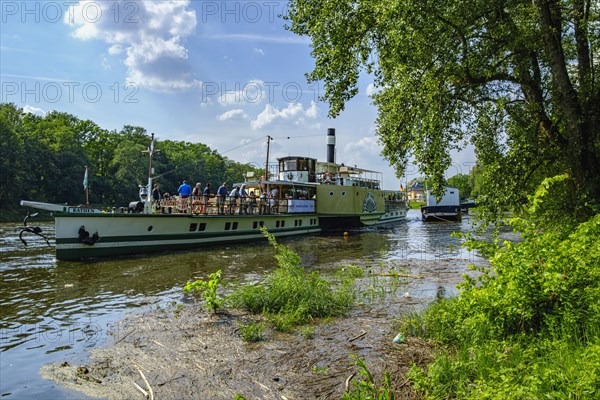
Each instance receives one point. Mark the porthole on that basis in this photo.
(331, 193)
(150, 228)
(343, 193)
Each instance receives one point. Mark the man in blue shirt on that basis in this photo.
(221, 194)
(184, 192)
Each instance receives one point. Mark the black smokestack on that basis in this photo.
(331, 145)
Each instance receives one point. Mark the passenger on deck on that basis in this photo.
(264, 204)
(244, 200)
(156, 195)
(197, 191)
(221, 194)
(206, 193)
(251, 202)
(275, 201)
(233, 197)
(184, 192)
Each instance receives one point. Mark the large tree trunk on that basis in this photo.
(581, 151)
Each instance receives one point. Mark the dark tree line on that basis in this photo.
(44, 159)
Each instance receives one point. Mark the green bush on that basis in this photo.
(290, 296)
(544, 283)
(529, 326)
(208, 290)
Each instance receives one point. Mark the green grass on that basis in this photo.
(416, 204)
(291, 296)
(252, 331)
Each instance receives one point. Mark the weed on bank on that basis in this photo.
(290, 296)
(527, 328)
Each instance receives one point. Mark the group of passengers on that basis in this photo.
(226, 201)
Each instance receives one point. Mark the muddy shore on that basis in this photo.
(184, 352)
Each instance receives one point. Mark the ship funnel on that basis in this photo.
(331, 145)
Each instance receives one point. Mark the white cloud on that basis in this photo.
(252, 92)
(362, 152)
(371, 89)
(238, 113)
(259, 51)
(294, 112)
(34, 110)
(149, 33)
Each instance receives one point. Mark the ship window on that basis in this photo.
(150, 228)
(343, 193)
(254, 225)
(299, 222)
(227, 226)
(331, 193)
(291, 165)
(282, 224)
(192, 227)
(261, 223)
(295, 222)
(202, 227)
(277, 224)
(235, 225)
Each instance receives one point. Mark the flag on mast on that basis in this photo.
(85, 179)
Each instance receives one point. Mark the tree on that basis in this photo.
(517, 79)
(462, 183)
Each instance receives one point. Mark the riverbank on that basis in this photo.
(183, 352)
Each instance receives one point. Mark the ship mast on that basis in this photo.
(267, 163)
(147, 200)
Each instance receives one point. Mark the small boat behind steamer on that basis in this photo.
(302, 197)
(447, 209)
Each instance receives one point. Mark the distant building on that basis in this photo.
(416, 192)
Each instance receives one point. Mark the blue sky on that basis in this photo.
(223, 73)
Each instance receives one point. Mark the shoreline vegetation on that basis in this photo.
(525, 326)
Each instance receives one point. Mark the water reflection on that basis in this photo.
(52, 310)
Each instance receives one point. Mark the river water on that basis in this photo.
(57, 310)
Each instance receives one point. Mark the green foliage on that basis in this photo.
(44, 158)
(514, 79)
(290, 296)
(542, 369)
(462, 183)
(252, 332)
(208, 290)
(528, 326)
(366, 388)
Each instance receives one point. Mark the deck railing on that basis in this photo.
(222, 206)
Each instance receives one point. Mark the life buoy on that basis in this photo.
(327, 177)
(197, 207)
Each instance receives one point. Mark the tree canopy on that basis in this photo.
(518, 79)
(44, 159)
